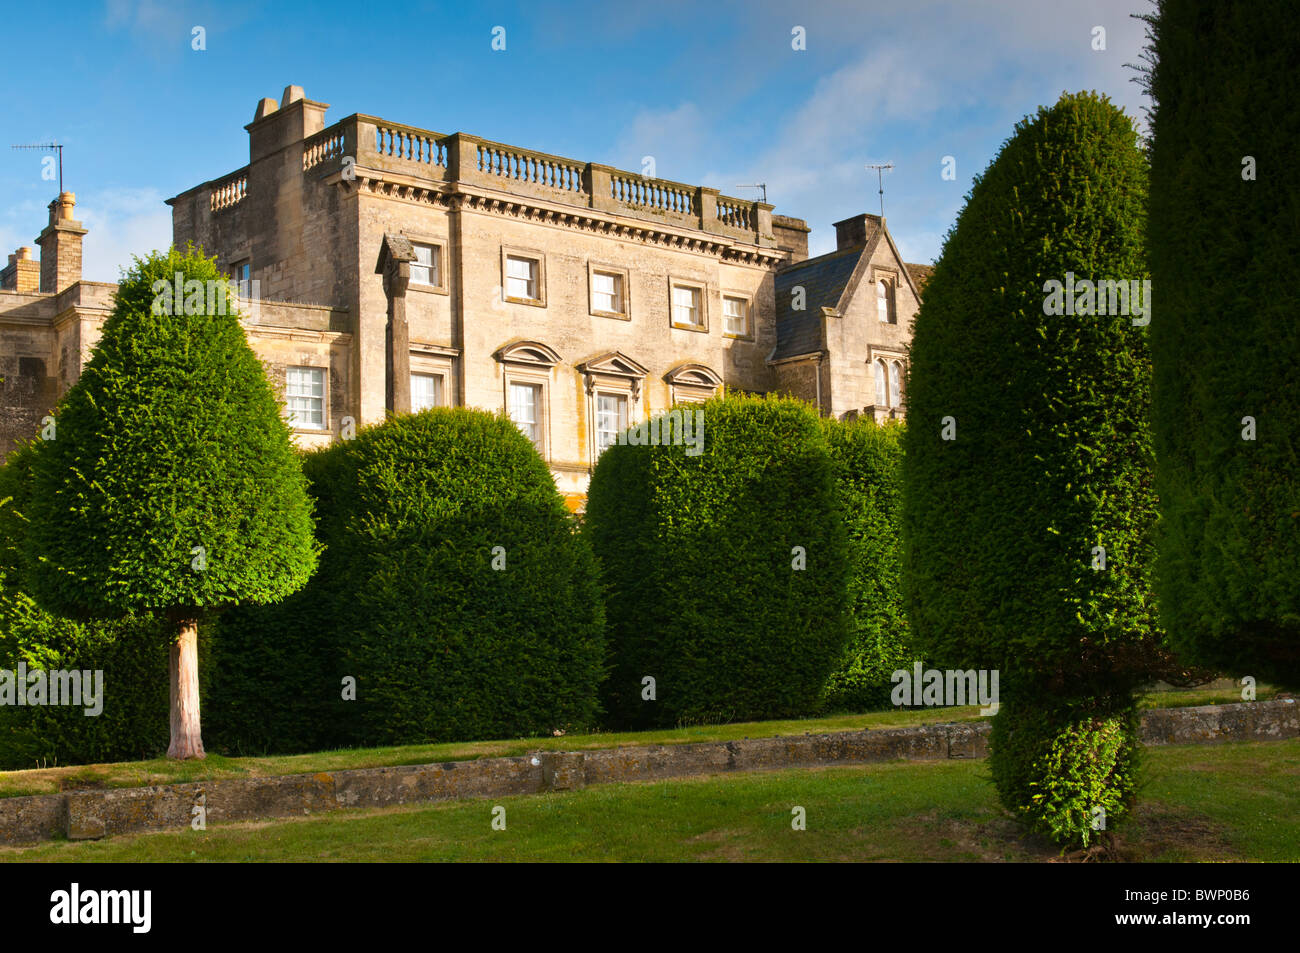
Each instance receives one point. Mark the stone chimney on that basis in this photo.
(22, 274)
(856, 231)
(791, 235)
(61, 246)
(274, 127)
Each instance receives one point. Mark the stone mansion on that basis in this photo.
(396, 268)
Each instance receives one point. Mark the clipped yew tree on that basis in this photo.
(1223, 239)
(868, 460)
(170, 486)
(131, 653)
(723, 556)
(1028, 507)
(455, 600)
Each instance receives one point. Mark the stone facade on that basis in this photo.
(49, 321)
(394, 267)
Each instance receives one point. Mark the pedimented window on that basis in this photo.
(529, 353)
(616, 369)
(692, 383)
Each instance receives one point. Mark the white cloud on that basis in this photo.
(673, 137)
(121, 223)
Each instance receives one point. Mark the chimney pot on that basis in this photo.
(291, 95)
(265, 108)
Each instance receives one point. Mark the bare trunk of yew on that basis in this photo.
(184, 670)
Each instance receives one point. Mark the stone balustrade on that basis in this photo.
(230, 190)
(421, 154)
(524, 165)
(325, 145)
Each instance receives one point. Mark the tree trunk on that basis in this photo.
(183, 667)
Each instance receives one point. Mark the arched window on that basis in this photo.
(882, 300)
(896, 384)
(882, 384)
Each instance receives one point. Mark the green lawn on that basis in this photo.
(161, 771)
(1227, 802)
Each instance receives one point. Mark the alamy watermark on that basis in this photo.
(677, 427)
(78, 688)
(945, 688)
(194, 297)
(1087, 297)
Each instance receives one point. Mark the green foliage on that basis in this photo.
(132, 653)
(1055, 761)
(172, 439)
(443, 646)
(869, 482)
(697, 553)
(1052, 455)
(1225, 339)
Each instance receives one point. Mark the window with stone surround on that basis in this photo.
(886, 309)
(889, 382)
(426, 270)
(611, 419)
(241, 273)
(687, 302)
(304, 390)
(525, 410)
(526, 378)
(609, 291)
(427, 390)
(735, 317)
(523, 276)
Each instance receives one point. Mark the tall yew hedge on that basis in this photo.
(724, 569)
(868, 462)
(1050, 455)
(1224, 242)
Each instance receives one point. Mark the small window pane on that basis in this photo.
(882, 385)
(686, 305)
(611, 420)
(424, 270)
(895, 384)
(735, 315)
(607, 292)
(426, 391)
(305, 396)
(882, 301)
(524, 401)
(521, 278)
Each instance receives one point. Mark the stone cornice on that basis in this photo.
(458, 197)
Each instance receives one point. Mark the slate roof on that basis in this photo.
(920, 274)
(824, 279)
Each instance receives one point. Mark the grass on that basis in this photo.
(51, 780)
(1229, 802)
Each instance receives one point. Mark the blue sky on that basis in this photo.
(715, 93)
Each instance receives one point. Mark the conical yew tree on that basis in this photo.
(1028, 503)
(170, 484)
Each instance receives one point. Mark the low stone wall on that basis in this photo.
(83, 815)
